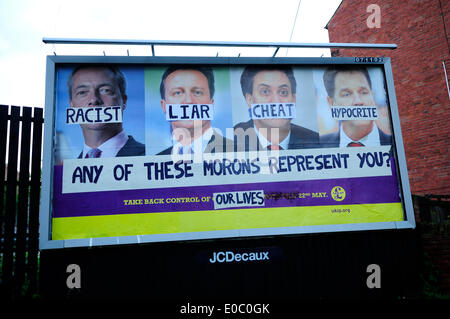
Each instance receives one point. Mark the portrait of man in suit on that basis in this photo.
(102, 85)
(352, 86)
(271, 85)
(191, 86)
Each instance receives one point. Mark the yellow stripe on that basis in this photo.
(198, 221)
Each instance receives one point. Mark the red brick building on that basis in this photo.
(421, 30)
(420, 64)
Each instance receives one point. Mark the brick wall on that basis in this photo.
(422, 36)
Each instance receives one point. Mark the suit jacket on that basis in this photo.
(301, 138)
(131, 148)
(217, 144)
(332, 139)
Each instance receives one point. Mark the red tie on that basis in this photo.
(355, 144)
(274, 147)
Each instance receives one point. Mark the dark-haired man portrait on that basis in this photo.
(352, 86)
(267, 86)
(192, 88)
(95, 86)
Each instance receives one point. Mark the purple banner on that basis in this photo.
(364, 190)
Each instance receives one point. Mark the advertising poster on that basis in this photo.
(207, 151)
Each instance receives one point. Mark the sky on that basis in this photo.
(24, 23)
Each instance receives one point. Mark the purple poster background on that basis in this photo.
(363, 190)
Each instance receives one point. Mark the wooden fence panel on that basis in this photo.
(21, 144)
(10, 205)
(35, 192)
(3, 142)
(22, 212)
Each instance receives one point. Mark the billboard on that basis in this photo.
(161, 149)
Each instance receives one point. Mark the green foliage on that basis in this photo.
(430, 280)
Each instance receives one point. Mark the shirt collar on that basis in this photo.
(197, 144)
(111, 147)
(371, 139)
(264, 142)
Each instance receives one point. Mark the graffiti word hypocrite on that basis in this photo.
(354, 112)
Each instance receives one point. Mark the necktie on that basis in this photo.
(274, 147)
(187, 150)
(355, 144)
(93, 153)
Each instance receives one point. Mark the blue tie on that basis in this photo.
(93, 153)
(188, 151)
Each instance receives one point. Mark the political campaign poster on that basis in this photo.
(144, 151)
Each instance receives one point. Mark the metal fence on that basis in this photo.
(20, 171)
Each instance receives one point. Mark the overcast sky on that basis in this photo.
(23, 24)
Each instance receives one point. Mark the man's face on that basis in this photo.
(186, 87)
(271, 87)
(352, 88)
(95, 87)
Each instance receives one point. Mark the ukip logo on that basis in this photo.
(338, 193)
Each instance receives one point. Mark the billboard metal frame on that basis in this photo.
(45, 241)
(276, 45)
